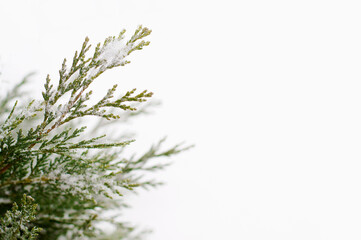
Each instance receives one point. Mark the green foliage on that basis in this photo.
(16, 224)
(47, 154)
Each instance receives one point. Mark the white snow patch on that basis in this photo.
(114, 52)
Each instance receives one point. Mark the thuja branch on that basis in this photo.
(26, 181)
(76, 80)
(43, 153)
(82, 73)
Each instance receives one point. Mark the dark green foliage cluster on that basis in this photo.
(47, 157)
(16, 224)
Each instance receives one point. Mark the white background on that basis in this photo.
(269, 91)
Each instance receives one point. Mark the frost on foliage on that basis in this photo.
(114, 53)
(16, 224)
(73, 175)
(85, 185)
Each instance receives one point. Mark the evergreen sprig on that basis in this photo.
(17, 222)
(73, 175)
